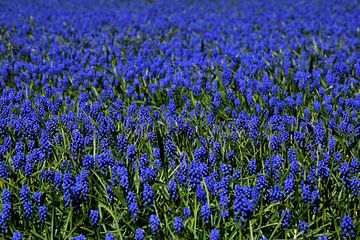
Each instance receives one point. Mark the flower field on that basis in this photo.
(179, 119)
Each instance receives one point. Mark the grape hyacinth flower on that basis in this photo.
(285, 223)
(132, 204)
(276, 194)
(109, 236)
(147, 195)
(43, 213)
(178, 225)
(322, 237)
(3, 224)
(303, 227)
(25, 194)
(173, 190)
(80, 237)
(214, 234)
(205, 213)
(139, 234)
(110, 194)
(347, 227)
(94, 217)
(252, 167)
(198, 119)
(154, 224)
(243, 204)
(261, 182)
(186, 213)
(28, 209)
(17, 236)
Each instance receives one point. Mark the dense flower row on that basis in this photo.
(190, 119)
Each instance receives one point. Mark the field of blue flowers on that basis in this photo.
(179, 119)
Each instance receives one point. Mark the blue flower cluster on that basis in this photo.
(179, 119)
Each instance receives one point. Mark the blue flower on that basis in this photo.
(319, 132)
(43, 213)
(243, 204)
(317, 106)
(276, 194)
(186, 213)
(38, 198)
(322, 237)
(154, 224)
(200, 154)
(289, 185)
(200, 194)
(94, 217)
(17, 236)
(139, 234)
(3, 224)
(66, 187)
(285, 223)
(345, 174)
(132, 204)
(6, 196)
(226, 77)
(147, 195)
(261, 182)
(88, 162)
(214, 234)
(122, 143)
(224, 202)
(28, 209)
(205, 213)
(110, 194)
(7, 210)
(57, 180)
(323, 169)
(347, 227)
(173, 190)
(121, 176)
(80, 237)
(354, 166)
(109, 236)
(170, 150)
(77, 144)
(252, 167)
(25, 194)
(178, 225)
(303, 227)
